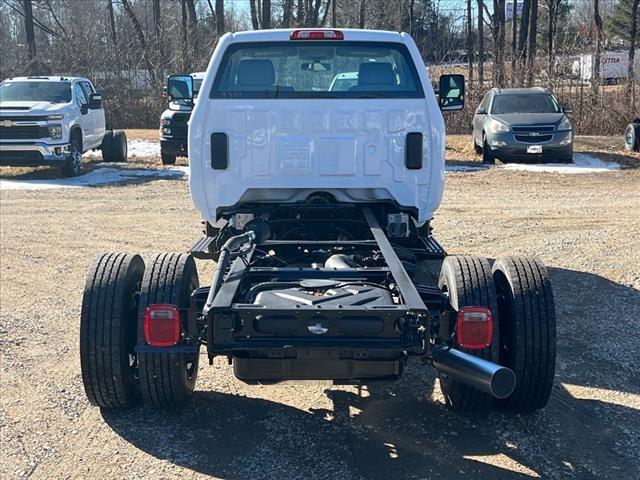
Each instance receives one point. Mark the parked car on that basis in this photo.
(317, 207)
(343, 81)
(522, 124)
(52, 121)
(632, 136)
(173, 121)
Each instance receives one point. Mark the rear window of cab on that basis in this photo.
(316, 69)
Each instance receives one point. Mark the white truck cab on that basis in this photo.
(317, 204)
(269, 128)
(48, 120)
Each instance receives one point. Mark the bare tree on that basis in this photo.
(631, 74)
(112, 23)
(523, 38)
(514, 42)
(287, 13)
(597, 20)
(532, 41)
(266, 14)
(554, 7)
(361, 17)
(28, 29)
(469, 41)
(220, 26)
(480, 42)
(498, 42)
(334, 23)
(157, 29)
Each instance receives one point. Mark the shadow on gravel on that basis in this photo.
(396, 431)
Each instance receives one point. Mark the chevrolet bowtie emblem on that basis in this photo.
(7, 123)
(534, 134)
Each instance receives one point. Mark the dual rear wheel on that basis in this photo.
(518, 292)
(116, 295)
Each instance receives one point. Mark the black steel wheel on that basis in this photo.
(467, 280)
(105, 146)
(527, 326)
(167, 158)
(119, 146)
(167, 379)
(108, 330)
(632, 137)
(73, 163)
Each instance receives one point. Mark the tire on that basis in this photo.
(487, 154)
(632, 137)
(167, 158)
(119, 146)
(468, 282)
(167, 380)
(108, 330)
(105, 147)
(527, 330)
(73, 164)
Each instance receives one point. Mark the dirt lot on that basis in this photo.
(586, 228)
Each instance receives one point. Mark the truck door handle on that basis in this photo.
(413, 151)
(219, 151)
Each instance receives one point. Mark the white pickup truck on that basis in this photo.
(52, 121)
(317, 204)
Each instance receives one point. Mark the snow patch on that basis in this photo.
(100, 176)
(582, 163)
(135, 148)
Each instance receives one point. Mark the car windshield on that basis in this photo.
(524, 104)
(309, 69)
(54, 92)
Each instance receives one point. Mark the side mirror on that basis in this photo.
(567, 109)
(95, 101)
(481, 111)
(84, 108)
(180, 87)
(451, 92)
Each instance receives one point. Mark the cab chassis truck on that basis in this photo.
(317, 282)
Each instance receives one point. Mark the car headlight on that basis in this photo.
(564, 125)
(165, 121)
(57, 116)
(55, 131)
(496, 127)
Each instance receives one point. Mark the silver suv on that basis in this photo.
(522, 124)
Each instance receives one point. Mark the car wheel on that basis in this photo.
(477, 148)
(105, 146)
(632, 137)
(487, 154)
(119, 146)
(73, 163)
(167, 158)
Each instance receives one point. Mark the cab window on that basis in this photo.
(81, 98)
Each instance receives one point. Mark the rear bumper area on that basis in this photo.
(172, 146)
(317, 365)
(32, 154)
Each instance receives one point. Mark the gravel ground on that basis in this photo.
(586, 228)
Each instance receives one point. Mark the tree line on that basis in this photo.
(128, 47)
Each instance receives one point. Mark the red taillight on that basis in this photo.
(317, 35)
(162, 325)
(474, 327)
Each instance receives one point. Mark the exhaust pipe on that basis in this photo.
(486, 376)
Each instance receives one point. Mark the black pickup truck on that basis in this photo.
(173, 124)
